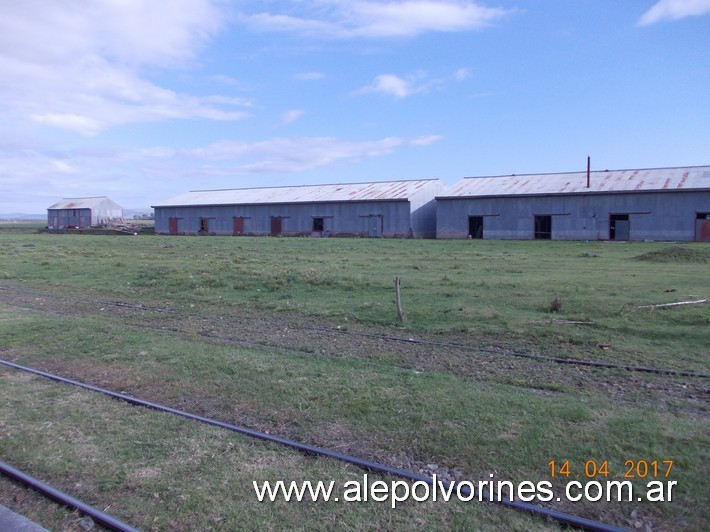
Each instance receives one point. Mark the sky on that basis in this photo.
(143, 100)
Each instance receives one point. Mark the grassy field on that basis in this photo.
(269, 333)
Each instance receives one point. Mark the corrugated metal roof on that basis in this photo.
(652, 179)
(85, 203)
(377, 191)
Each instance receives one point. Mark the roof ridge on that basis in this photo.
(591, 171)
(319, 185)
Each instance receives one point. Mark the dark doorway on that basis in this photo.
(619, 227)
(276, 224)
(375, 224)
(318, 225)
(173, 226)
(702, 227)
(238, 225)
(543, 227)
(204, 226)
(475, 226)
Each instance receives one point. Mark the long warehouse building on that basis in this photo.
(666, 204)
(398, 209)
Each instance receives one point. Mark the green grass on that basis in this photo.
(160, 472)
(483, 288)
(469, 414)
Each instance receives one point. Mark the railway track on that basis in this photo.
(217, 328)
(49, 491)
(560, 517)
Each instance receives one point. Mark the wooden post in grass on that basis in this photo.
(398, 300)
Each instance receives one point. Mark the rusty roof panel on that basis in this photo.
(388, 190)
(98, 202)
(686, 178)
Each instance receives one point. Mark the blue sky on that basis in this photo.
(145, 100)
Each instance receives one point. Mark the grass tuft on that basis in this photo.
(677, 254)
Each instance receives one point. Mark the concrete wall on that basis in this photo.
(652, 215)
(378, 218)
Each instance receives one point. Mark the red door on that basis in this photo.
(173, 226)
(276, 226)
(238, 225)
(702, 230)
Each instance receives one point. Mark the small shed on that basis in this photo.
(398, 209)
(83, 212)
(645, 204)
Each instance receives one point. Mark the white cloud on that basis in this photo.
(279, 155)
(71, 122)
(38, 176)
(674, 10)
(416, 83)
(159, 32)
(392, 85)
(389, 84)
(369, 18)
(63, 167)
(290, 24)
(228, 100)
(291, 116)
(229, 80)
(426, 140)
(418, 16)
(462, 74)
(292, 154)
(79, 65)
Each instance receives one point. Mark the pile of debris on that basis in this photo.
(123, 228)
(113, 228)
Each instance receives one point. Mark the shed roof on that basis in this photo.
(377, 191)
(97, 202)
(644, 180)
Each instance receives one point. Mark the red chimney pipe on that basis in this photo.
(588, 164)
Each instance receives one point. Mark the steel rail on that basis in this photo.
(533, 356)
(530, 356)
(97, 515)
(561, 517)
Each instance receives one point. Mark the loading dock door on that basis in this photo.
(475, 226)
(173, 226)
(238, 225)
(702, 227)
(619, 227)
(375, 224)
(276, 225)
(543, 227)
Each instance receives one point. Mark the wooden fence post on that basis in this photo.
(398, 300)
